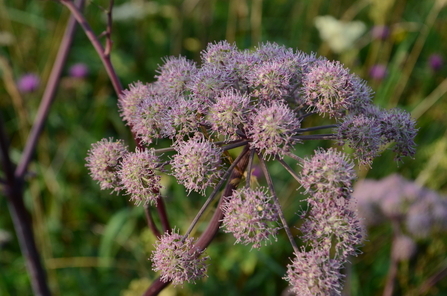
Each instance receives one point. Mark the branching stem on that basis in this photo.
(215, 191)
(277, 204)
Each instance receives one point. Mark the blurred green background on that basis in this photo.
(95, 243)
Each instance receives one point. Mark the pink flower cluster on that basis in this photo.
(418, 210)
(259, 99)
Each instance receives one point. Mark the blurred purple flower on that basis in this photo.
(380, 32)
(378, 72)
(403, 248)
(79, 70)
(420, 210)
(257, 172)
(28, 83)
(435, 61)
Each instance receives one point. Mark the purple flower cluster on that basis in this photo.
(115, 168)
(138, 178)
(436, 62)
(312, 273)
(28, 83)
(103, 162)
(177, 260)
(378, 72)
(196, 164)
(331, 228)
(258, 99)
(79, 70)
(367, 132)
(417, 210)
(250, 216)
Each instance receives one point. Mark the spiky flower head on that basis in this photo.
(131, 99)
(399, 127)
(177, 260)
(151, 119)
(363, 134)
(270, 80)
(196, 164)
(228, 112)
(331, 89)
(272, 128)
(175, 74)
(251, 216)
(184, 117)
(269, 51)
(334, 228)
(103, 160)
(313, 273)
(138, 178)
(220, 54)
(208, 83)
(328, 171)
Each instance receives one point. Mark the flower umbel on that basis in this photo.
(260, 102)
(138, 178)
(272, 128)
(328, 171)
(177, 260)
(314, 273)
(103, 160)
(250, 216)
(196, 164)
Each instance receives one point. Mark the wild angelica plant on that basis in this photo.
(259, 100)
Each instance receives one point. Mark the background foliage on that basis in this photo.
(94, 243)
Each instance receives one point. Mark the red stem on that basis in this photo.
(105, 57)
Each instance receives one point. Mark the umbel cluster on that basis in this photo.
(259, 100)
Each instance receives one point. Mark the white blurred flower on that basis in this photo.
(5, 237)
(133, 10)
(339, 35)
(6, 38)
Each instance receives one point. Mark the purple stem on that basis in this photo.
(214, 193)
(14, 183)
(163, 215)
(150, 221)
(105, 56)
(47, 97)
